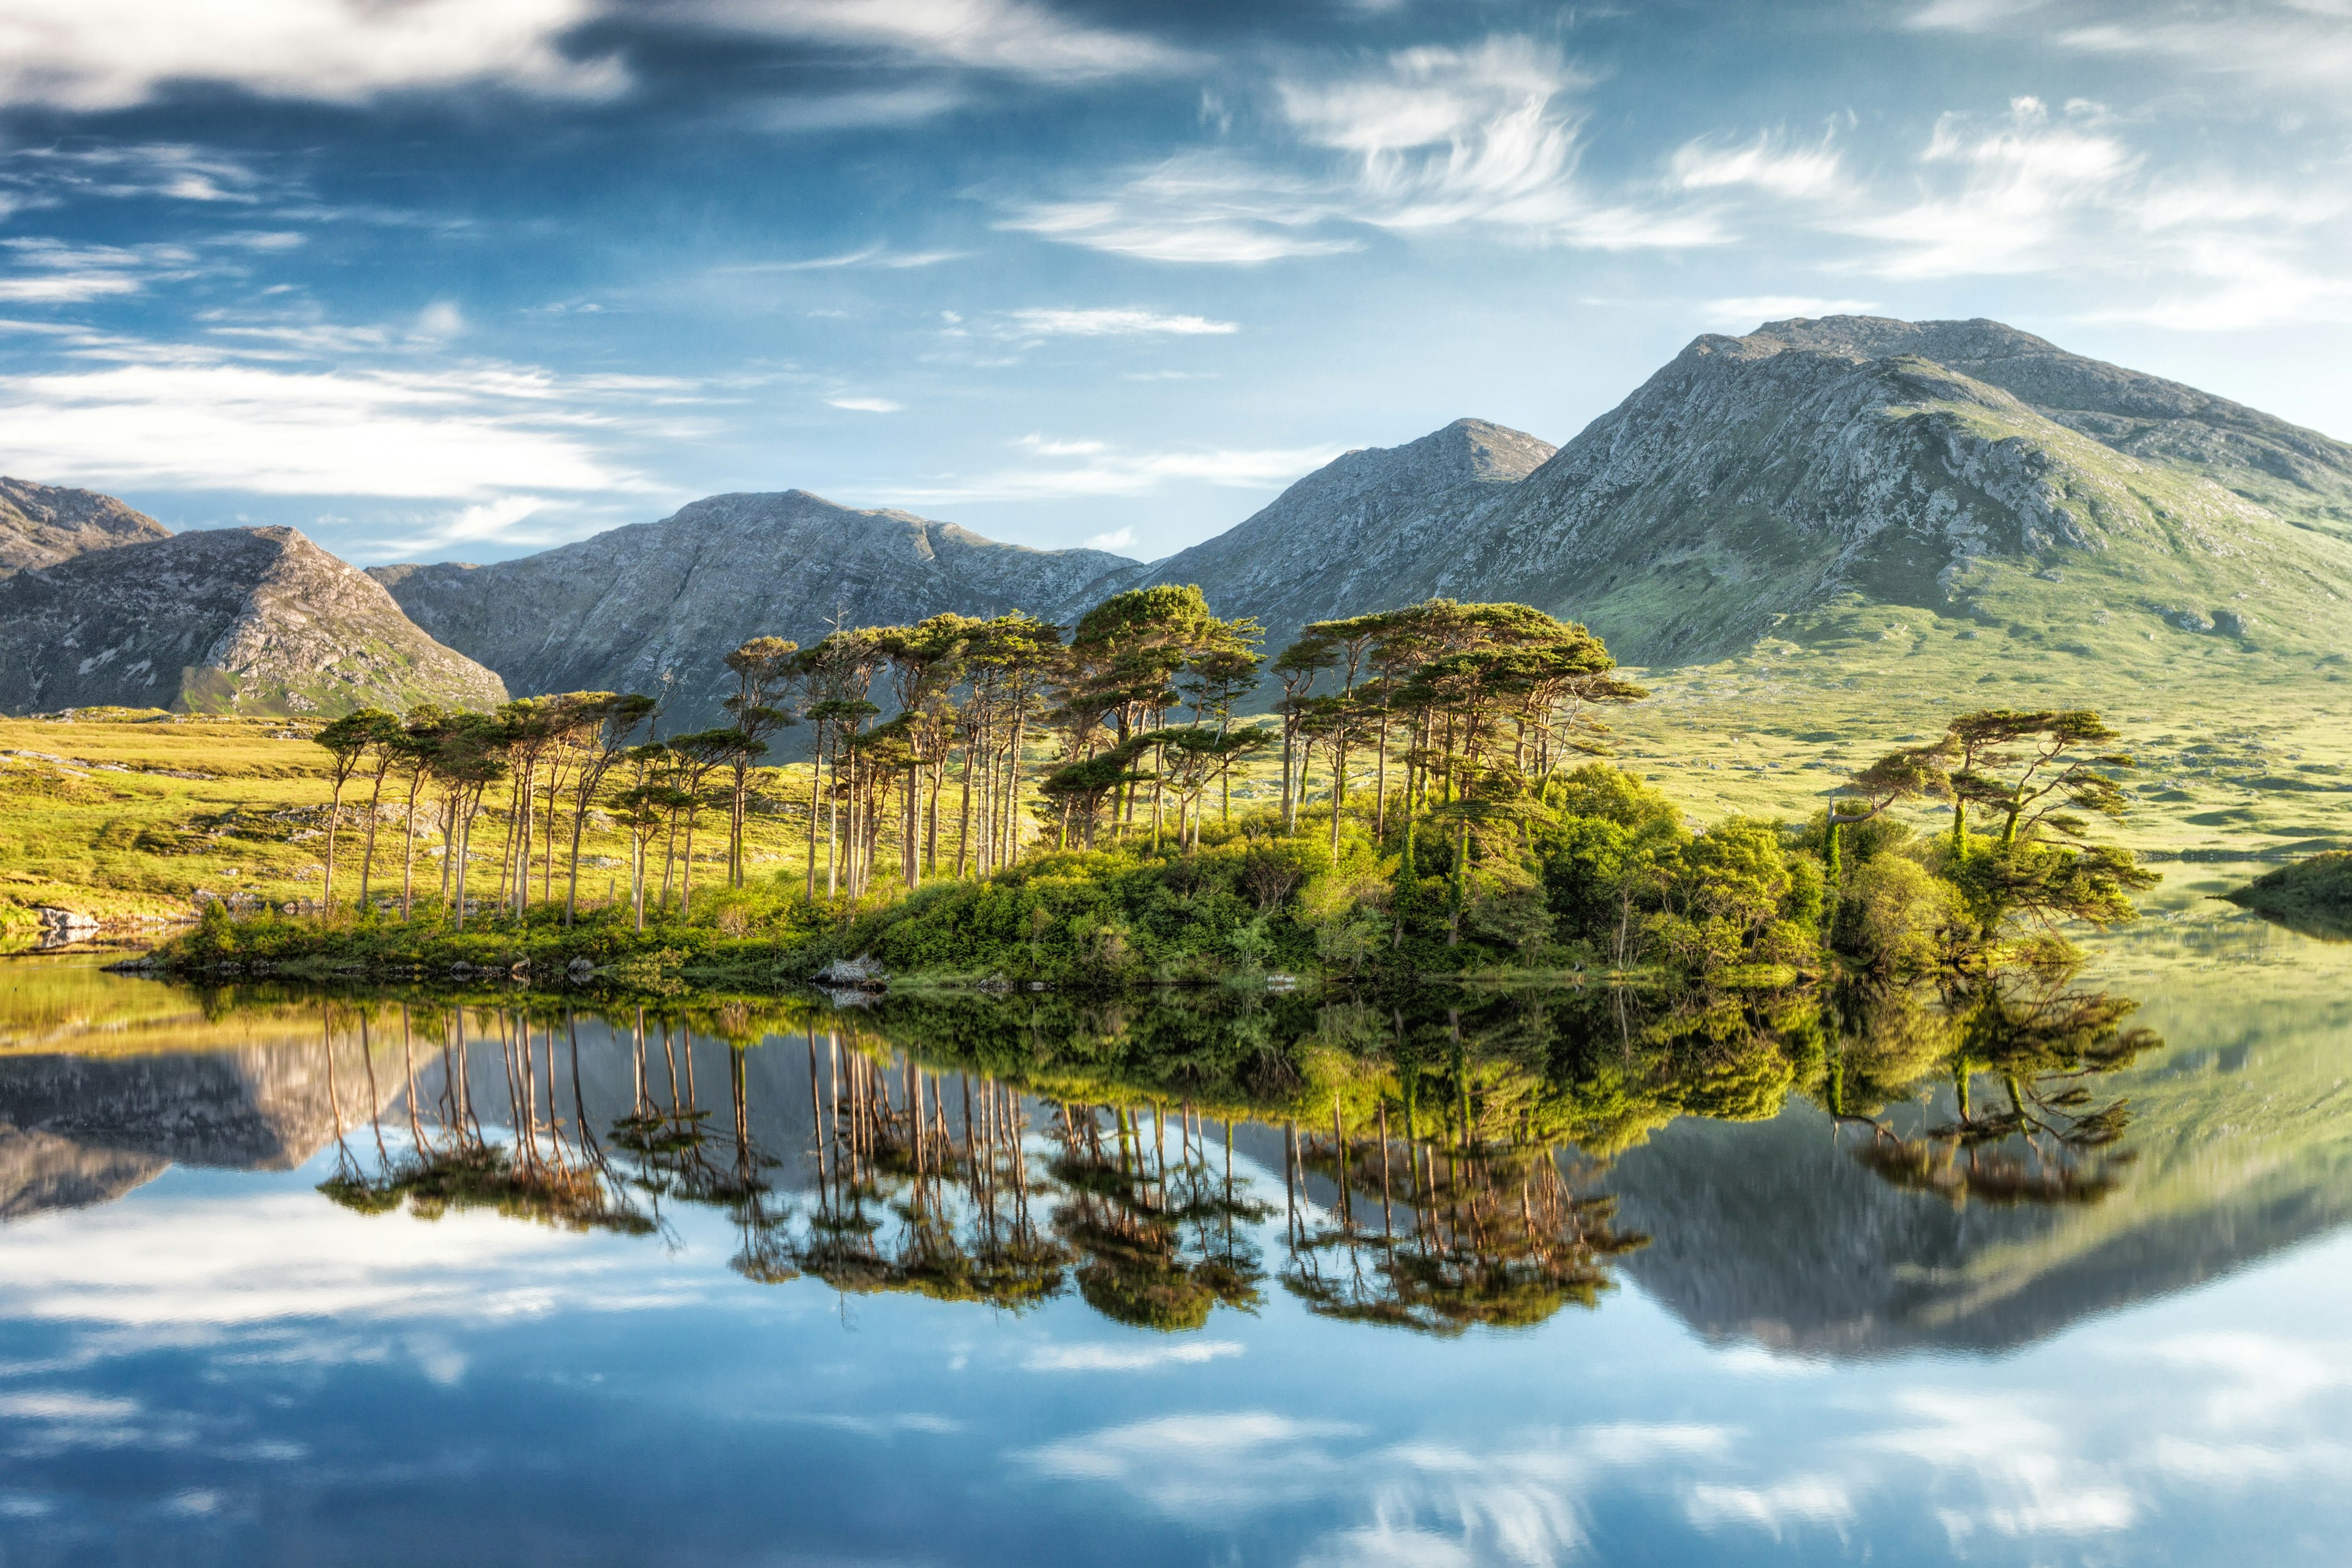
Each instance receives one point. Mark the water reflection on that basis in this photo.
(1534, 1278)
(2049, 1138)
(1449, 1161)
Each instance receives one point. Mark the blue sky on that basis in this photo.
(460, 279)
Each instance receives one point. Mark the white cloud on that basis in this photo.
(67, 288)
(189, 422)
(1240, 1461)
(1046, 446)
(1437, 137)
(1212, 207)
(441, 319)
(198, 1265)
(1765, 163)
(865, 404)
(866, 255)
(2017, 189)
(485, 521)
(174, 170)
(54, 273)
(1126, 1358)
(1114, 322)
(109, 54)
(1013, 37)
(2033, 1481)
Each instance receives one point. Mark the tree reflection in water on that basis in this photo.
(1158, 1241)
(2049, 1138)
(551, 1169)
(989, 1149)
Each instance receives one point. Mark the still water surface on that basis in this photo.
(286, 1278)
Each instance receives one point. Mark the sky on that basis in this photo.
(437, 279)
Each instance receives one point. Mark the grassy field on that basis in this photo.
(2244, 754)
(125, 817)
(2240, 755)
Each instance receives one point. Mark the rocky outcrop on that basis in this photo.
(617, 612)
(248, 620)
(41, 525)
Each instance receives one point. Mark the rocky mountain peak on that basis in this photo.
(41, 525)
(225, 620)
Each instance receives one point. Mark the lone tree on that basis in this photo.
(2036, 769)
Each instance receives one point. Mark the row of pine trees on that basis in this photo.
(1459, 711)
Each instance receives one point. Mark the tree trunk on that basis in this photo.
(334, 820)
(1012, 790)
(1338, 793)
(367, 856)
(964, 811)
(817, 782)
(1289, 814)
(408, 846)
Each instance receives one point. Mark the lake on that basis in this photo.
(2051, 1273)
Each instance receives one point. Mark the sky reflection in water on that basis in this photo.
(1806, 1362)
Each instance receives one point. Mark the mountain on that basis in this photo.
(1755, 485)
(613, 613)
(1817, 497)
(1331, 545)
(252, 620)
(41, 525)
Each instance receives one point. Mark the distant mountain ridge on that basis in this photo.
(1768, 487)
(248, 620)
(614, 612)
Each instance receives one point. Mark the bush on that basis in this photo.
(1896, 918)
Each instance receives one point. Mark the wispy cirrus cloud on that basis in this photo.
(1436, 138)
(1119, 1357)
(54, 271)
(856, 404)
(2015, 191)
(1745, 312)
(865, 256)
(46, 177)
(1766, 162)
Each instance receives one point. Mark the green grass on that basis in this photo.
(99, 815)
